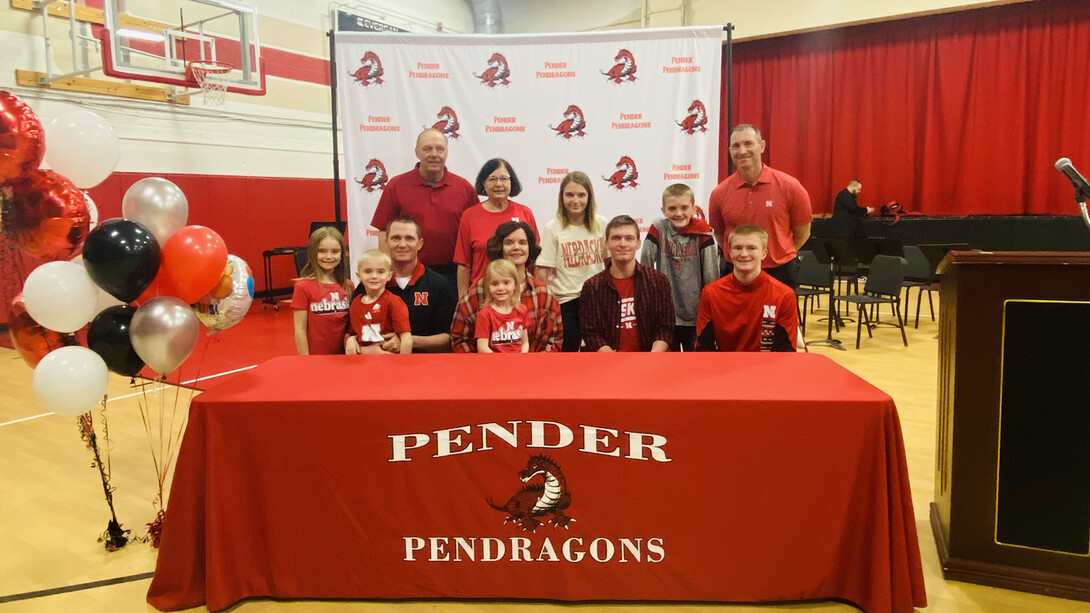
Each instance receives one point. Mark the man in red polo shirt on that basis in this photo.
(434, 198)
(762, 196)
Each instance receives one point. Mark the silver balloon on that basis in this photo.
(163, 332)
(158, 205)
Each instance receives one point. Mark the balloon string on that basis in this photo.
(162, 471)
(145, 415)
(173, 447)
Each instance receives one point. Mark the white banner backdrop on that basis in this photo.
(636, 110)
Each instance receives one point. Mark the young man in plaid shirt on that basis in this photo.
(626, 307)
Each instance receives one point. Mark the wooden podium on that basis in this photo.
(1012, 470)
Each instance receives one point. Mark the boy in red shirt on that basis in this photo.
(747, 310)
(376, 312)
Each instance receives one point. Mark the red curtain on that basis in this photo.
(956, 114)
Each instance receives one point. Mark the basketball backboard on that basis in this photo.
(160, 42)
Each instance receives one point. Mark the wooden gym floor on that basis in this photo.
(52, 507)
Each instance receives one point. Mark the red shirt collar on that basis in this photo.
(417, 273)
(420, 179)
(764, 177)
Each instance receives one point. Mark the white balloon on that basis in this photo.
(158, 205)
(60, 296)
(71, 380)
(82, 146)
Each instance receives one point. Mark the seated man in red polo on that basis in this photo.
(747, 310)
(626, 307)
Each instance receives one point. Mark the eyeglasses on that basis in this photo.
(498, 180)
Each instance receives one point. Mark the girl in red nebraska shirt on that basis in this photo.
(320, 301)
(502, 322)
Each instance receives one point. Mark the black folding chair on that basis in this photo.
(883, 287)
(813, 283)
(300, 257)
(920, 275)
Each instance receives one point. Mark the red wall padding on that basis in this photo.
(955, 114)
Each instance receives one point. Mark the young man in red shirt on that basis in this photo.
(747, 310)
(626, 307)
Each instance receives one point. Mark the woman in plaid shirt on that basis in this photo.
(514, 241)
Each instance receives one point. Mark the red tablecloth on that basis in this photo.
(688, 477)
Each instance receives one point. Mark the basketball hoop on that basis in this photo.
(210, 78)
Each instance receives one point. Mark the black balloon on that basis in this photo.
(108, 336)
(122, 258)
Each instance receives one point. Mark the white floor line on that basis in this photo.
(154, 390)
(111, 399)
(19, 421)
(229, 372)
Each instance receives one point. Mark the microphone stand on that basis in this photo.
(1085, 215)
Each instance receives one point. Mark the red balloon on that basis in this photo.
(22, 140)
(192, 264)
(30, 339)
(46, 215)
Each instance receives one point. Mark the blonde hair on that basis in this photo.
(590, 215)
(374, 255)
(748, 230)
(311, 268)
(678, 189)
(500, 268)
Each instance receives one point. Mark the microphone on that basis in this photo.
(1082, 188)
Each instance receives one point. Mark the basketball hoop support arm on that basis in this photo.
(73, 37)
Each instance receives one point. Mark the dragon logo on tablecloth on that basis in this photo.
(535, 500)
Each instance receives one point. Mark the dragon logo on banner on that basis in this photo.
(697, 119)
(497, 72)
(447, 122)
(376, 176)
(547, 497)
(626, 174)
(624, 69)
(573, 123)
(370, 70)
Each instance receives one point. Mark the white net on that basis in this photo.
(212, 80)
